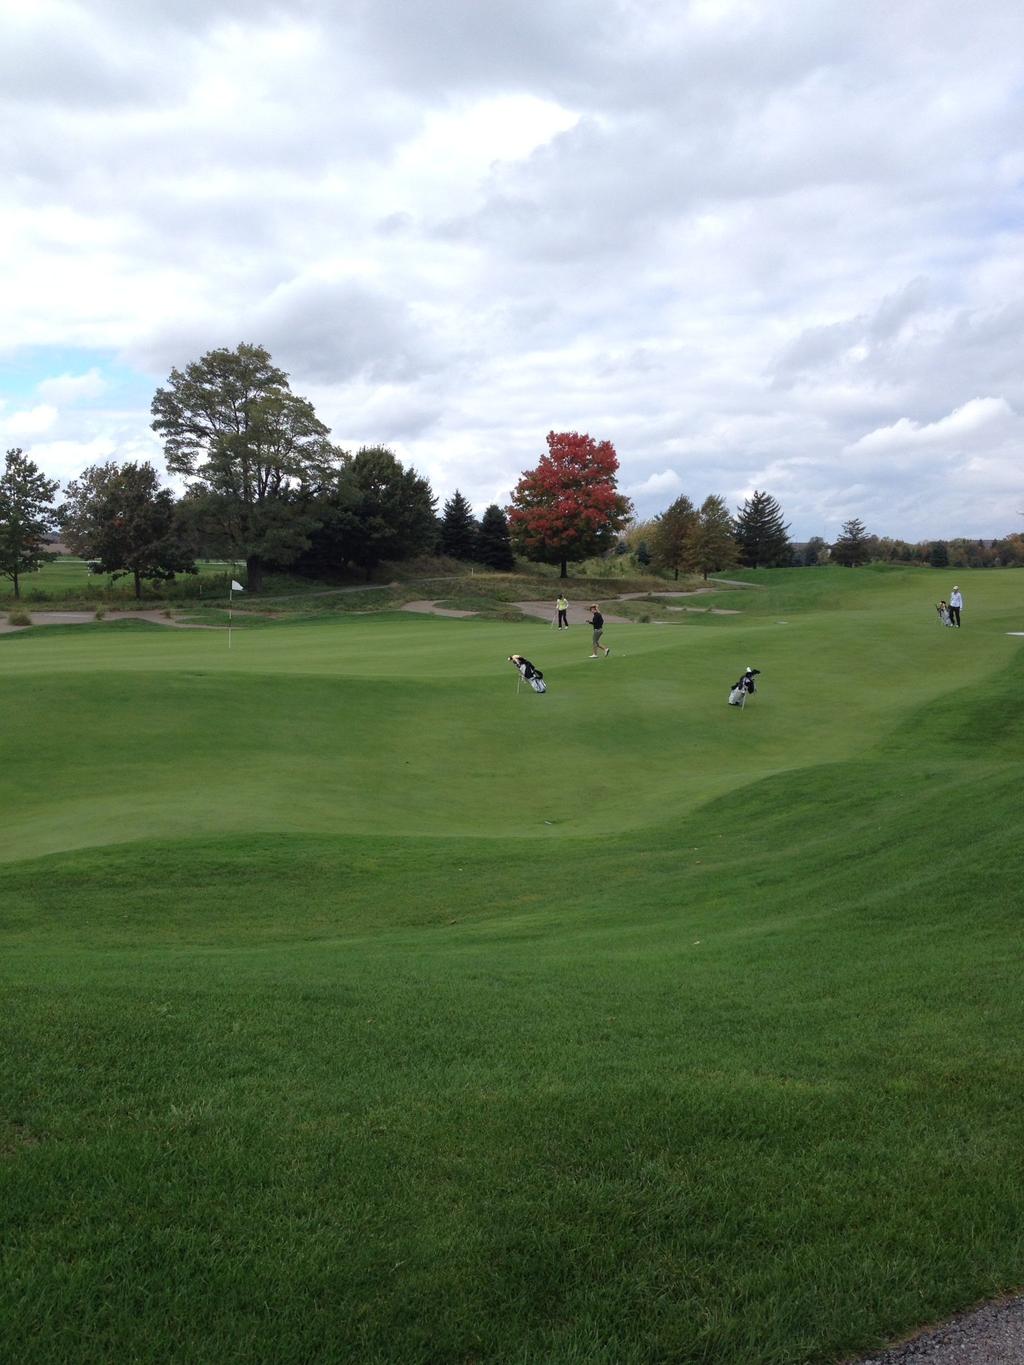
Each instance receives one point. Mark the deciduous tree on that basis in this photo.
(815, 551)
(26, 516)
(673, 532)
(120, 518)
(372, 509)
(713, 544)
(569, 506)
(256, 450)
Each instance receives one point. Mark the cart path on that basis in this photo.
(992, 1335)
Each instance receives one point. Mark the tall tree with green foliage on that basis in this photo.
(494, 544)
(26, 517)
(712, 546)
(459, 529)
(762, 534)
(815, 551)
(372, 509)
(939, 557)
(255, 449)
(120, 518)
(569, 507)
(851, 548)
(673, 532)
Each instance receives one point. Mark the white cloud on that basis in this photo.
(954, 431)
(753, 244)
(28, 422)
(666, 483)
(72, 388)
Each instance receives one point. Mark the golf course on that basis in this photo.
(360, 1006)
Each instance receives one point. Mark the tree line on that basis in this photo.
(265, 484)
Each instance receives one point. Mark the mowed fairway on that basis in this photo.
(357, 1008)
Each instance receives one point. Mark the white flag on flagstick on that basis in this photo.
(236, 587)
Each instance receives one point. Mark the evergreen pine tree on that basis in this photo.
(939, 557)
(493, 545)
(851, 547)
(761, 533)
(458, 528)
(712, 546)
(643, 554)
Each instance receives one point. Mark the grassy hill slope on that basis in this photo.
(320, 1044)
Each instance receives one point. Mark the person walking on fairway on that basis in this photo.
(597, 621)
(562, 607)
(956, 601)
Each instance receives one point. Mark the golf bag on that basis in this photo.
(531, 675)
(740, 691)
(944, 617)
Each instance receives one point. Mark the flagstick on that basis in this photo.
(233, 587)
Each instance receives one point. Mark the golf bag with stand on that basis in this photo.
(740, 691)
(529, 673)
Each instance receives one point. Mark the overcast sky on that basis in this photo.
(754, 243)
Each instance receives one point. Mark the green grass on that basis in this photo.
(357, 1008)
(70, 580)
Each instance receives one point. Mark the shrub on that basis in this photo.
(19, 618)
(100, 613)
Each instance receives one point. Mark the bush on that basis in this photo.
(100, 613)
(19, 618)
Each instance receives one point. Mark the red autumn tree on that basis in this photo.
(569, 507)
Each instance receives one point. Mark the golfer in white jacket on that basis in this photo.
(956, 601)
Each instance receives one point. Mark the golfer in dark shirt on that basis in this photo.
(597, 621)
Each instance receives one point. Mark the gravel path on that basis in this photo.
(993, 1335)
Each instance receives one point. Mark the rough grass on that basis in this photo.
(320, 1044)
(69, 581)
